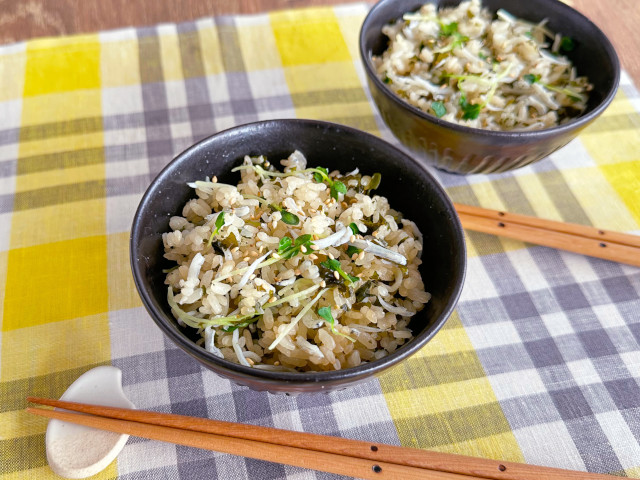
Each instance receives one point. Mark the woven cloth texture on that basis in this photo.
(540, 363)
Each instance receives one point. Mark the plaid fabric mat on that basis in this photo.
(539, 364)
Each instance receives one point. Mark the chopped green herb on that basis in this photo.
(338, 187)
(351, 250)
(529, 34)
(302, 240)
(219, 224)
(243, 324)
(470, 110)
(325, 313)
(289, 218)
(446, 30)
(284, 244)
(376, 178)
(354, 228)
(334, 265)
(363, 291)
(482, 56)
(386, 79)
(567, 44)
(451, 30)
(288, 248)
(318, 177)
(321, 174)
(438, 108)
(531, 78)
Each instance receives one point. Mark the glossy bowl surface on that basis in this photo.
(460, 149)
(407, 184)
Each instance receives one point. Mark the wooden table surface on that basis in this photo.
(24, 19)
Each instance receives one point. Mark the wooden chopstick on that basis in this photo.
(590, 241)
(298, 457)
(319, 452)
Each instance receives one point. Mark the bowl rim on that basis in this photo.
(295, 378)
(573, 124)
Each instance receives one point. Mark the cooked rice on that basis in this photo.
(254, 307)
(467, 67)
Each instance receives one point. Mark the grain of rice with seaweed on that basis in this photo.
(295, 270)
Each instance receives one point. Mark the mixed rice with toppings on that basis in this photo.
(295, 270)
(465, 66)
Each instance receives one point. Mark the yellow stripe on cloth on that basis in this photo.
(441, 399)
(78, 342)
(62, 65)
(319, 67)
(253, 32)
(54, 282)
(309, 36)
(625, 178)
(614, 143)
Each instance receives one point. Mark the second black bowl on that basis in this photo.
(460, 149)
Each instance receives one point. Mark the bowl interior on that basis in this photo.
(593, 55)
(407, 184)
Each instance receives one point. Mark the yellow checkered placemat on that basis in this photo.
(540, 363)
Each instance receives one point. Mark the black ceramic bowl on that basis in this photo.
(459, 149)
(406, 182)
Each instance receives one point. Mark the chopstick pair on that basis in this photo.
(353, 458)
(594, 242)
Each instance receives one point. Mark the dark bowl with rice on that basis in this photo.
(405, 182)
(467, 147)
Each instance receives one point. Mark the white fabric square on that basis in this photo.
(252, 20)
(583, 372)
(580, 267)
(268, 83)
(214, 385)
(222, 123)
(273, 114)
(176, 94)
(493, 335)
(180, 130)
(557, 323)
(11, 114)
(620, 437)
(5, 232)
(128, 168)
(218, 88)
(289, 420)
(521, 383)
(121, 100)
(133, 330)
(527, 269)
(125, 136)
(573, 155)
(120, 211)
(632, 361)
(139, 394)
(609, 316)
(550, 445)
(358, 412)
(478, 284)
(118, 35)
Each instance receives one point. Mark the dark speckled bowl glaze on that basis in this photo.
(459, 149)
(405, 182)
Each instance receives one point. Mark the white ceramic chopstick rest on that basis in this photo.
(76, 451)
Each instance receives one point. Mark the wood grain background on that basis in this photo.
(24, 19)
